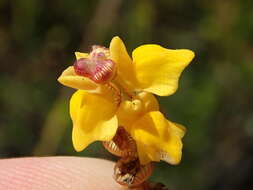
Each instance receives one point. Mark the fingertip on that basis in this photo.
(57, 173)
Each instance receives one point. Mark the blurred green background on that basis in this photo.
(214, 101)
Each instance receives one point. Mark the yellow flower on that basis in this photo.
(115, 90)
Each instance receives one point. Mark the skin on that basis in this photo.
(57, 173)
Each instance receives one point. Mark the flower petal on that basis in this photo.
(157, 138)
(93, 119)
(158, 69)
(172, 152)
(70, 79)
(131, 110)
(125, 70)
(80, 55)
(149, 101)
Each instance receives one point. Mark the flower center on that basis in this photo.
(98, 67)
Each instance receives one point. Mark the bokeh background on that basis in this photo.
(38, 39)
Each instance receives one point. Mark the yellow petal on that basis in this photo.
(146, 153)
(158, 69)
(125, 71)
(80, 55)
(149, 101)
(131, 110)
(93, 119)
(157, 138)
(172, 151)
(178, 129)
(70, 79)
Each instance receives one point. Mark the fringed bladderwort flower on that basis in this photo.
(115, 90)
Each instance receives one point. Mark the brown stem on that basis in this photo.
(128, 171)
(122, 144)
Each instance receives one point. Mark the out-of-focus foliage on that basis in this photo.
(214, 100)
